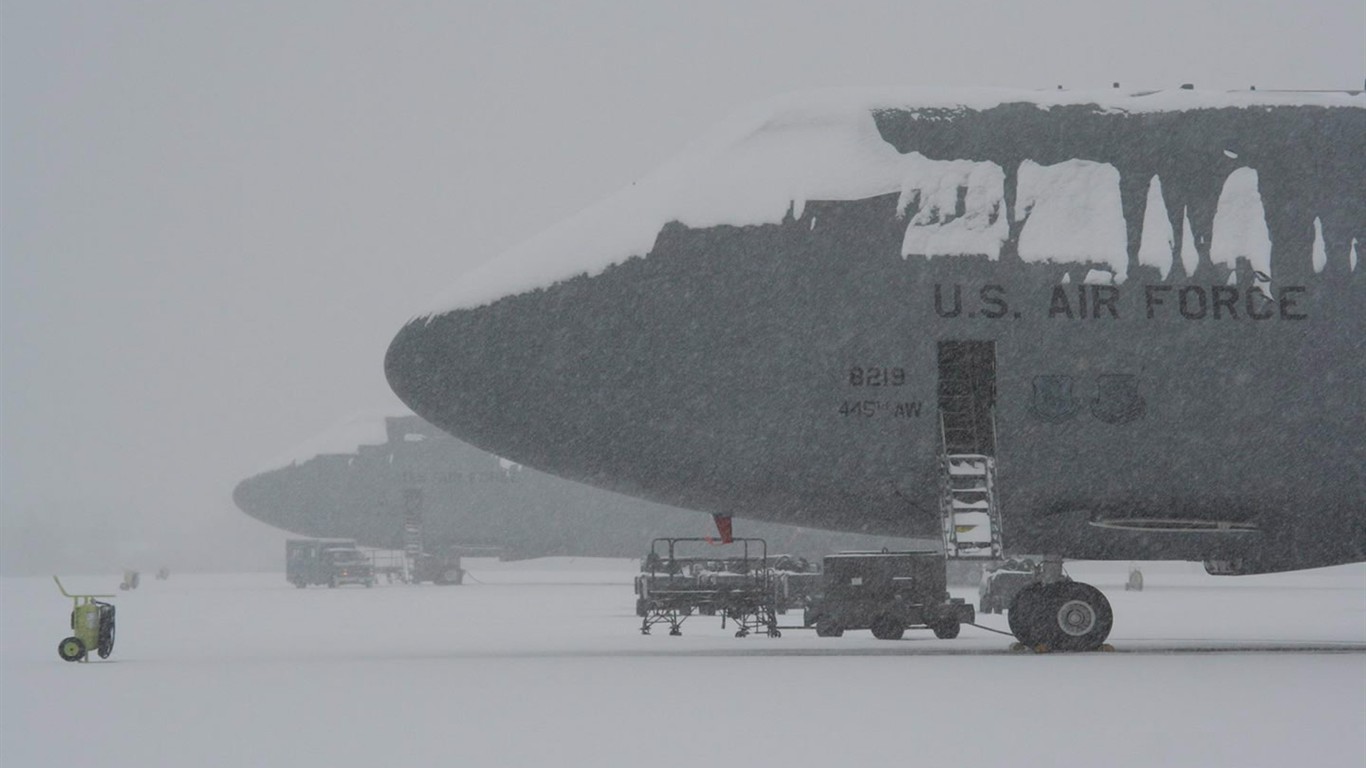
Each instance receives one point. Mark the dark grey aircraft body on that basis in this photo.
(405, 470)
(1206, 404)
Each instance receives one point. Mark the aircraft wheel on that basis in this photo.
(829, 628)
(71, 649)
(1078, 617)
(1027, 616)
(888, 628)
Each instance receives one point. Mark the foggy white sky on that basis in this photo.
(215, 217)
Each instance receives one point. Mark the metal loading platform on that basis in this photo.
(736, 583)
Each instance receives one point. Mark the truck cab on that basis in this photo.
(332, 562)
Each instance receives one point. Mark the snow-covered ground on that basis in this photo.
(542, 664)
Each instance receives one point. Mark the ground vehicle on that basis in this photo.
(327, 561)
(886, 592)
(438, 569)
(92, 623)
(1000, 584)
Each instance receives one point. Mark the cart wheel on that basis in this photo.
(947, 630)
(828, 628)
(71, 649)
(888, 628)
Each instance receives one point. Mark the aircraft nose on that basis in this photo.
(544, 378)
(453, 370)
(260, 496)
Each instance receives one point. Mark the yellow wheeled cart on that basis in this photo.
(93, 624)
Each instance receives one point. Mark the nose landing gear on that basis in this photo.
(1061, 616)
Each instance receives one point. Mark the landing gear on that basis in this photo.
(1061, 616)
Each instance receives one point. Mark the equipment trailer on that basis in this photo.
(672, 588)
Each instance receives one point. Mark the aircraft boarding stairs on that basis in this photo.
(412, 538)
(971, 518)
(970, 514)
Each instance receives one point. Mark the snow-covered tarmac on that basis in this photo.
(542, 664)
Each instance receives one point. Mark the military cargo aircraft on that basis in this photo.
(1106, 325)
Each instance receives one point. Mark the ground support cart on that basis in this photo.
(887, 592)
(92, 625)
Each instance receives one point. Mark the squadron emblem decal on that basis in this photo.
(1053, 399)
(1117, 400)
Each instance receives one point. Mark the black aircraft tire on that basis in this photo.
(1026, 616)
(1078, 617)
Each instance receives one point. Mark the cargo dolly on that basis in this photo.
(740, 588)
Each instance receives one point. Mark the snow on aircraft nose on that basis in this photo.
(549, 352)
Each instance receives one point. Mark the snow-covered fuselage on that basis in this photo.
(1169, 282)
